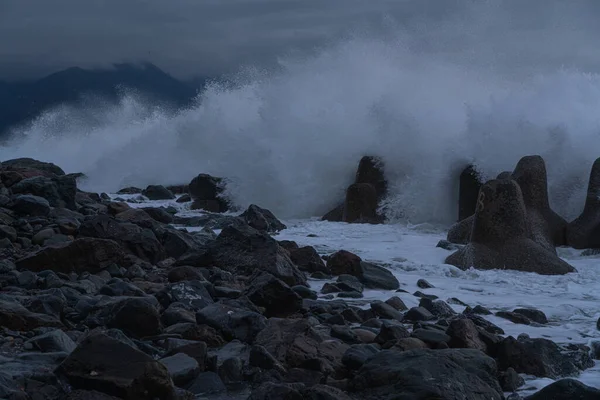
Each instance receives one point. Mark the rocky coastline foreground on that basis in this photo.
(100, 300)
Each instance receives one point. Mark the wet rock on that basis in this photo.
(53, 341)
(423, 284)
(532, 314)
(446, 245)
(391, 332)
(29, 205)
(545, 227)
(335, 215)
(159, 214)
(460, 233)
(19, 164)
(85, 254)
(308, 260)
(465, 374)
(8, 232)
(182, 368)
(500, 235)
(514, 317)
(464, 334)
(262, 219)
(361, 204)
(207, 193)
(397, 303)
(184, 273)
(244, 250)
(349, 283)
(278, 299)
(261, 358)
(541, 357)
(418, 314)
(510, 381)
(357, 355)
(370, 275)
(439, 308)
(112, 367)
(470, 183)
(481, 310)
(158, 192)
(386, 311)
(304, 292)
(566, 389)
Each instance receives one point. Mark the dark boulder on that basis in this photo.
(192, 294)
(262, 219)
(545, 226)
(584, 231)
(361, 204)
(232, 322)
(244, 250)
(59, 191)
(566, 389)
(110, 366)
(371, 170)
(31, 164)
(158, 192)
(459, 374)
(541, 358)
(277, 298)
(16, 317)
(469, 184)
(80, 255)
(370, 275)
(136, 317)
(207, 193)
(136, 240)
(30, 205)
(500, 239)
(460, 232)
(130, 190)
(335, 215)
(308, 260)
(159, 214)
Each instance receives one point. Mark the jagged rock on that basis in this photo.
(460, 374)
(158, 192)
(159, 214)
(243, 250)
(510, 380)
(500, 235)
(439, 308)
(207, 192)
(361, 204)
(418, 314)
(470, 183)
(113, 367)
(138, 241)
(584, 231)
(566, 389)
(464, 334)
(541, 357)
(545, 226)
(262, 219)
(278, 299)
(86, 254)
(391, 332)
(514, 317)
(371, 170)
(308, 260)
(357, 355)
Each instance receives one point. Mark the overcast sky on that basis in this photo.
(209, 37)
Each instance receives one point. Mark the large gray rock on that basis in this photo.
(584, 231)
(31, 164)
(59, 191)
(545, 226)
(370, 275)
(460, 232)
(136, 240)
(113, 367)
(207, 193)
(30, 205)
(421, 374)
(158, 192)
(500, 236)
(244, 250)
(262, 219)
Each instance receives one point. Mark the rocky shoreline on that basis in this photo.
(99, 300)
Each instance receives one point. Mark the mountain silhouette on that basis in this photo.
(24, 100)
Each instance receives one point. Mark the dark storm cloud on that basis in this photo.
(188, 37)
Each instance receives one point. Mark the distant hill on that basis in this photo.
(22, 101)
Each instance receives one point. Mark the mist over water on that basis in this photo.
(290, 139)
